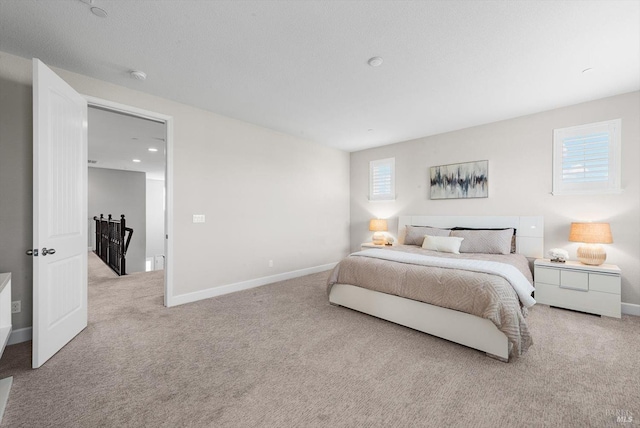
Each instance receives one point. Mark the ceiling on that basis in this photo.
(300, 67)
(116, 139)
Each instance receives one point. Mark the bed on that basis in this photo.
(499, 331)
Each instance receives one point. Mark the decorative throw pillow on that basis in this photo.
(513, 238)
(485, 241)
(415, 234)
(445, 244)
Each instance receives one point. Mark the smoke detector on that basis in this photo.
(138, 75)
(376, 61)
(99, 12)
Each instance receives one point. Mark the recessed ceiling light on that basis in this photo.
(153, 149)
(376, 61)
(99, 12)
(587, 70)
(137, 160)
(138, 75)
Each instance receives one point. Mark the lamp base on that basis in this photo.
(591, 254)
(379, 238)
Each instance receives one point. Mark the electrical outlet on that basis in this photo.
(16, 306)
(270, 263)
(198, 218)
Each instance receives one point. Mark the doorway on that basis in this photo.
(137, 150)
(60, 209)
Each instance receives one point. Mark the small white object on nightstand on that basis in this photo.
(573, 285)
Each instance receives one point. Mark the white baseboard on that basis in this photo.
(244, 285)
(20, 335)
(631, 309)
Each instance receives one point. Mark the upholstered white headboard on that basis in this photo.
(529, 230)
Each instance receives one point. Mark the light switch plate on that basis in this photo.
(198, 218)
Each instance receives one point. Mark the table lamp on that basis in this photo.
(379, 226)
(591, 235)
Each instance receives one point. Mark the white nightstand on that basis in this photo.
(573, 285)
(368, 245)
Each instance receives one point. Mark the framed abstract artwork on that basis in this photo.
(460, 180)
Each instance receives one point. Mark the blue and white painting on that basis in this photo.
(460, 180)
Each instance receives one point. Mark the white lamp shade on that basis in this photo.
(378, 225)
(591, 234)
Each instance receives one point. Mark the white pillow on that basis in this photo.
(445, 244)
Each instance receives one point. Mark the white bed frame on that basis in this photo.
(456, 326)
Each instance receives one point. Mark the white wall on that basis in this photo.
(155, 218)
(119, 192)
(266, 195)
(520, 179)
(16, 182)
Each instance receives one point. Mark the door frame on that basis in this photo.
(168, 219)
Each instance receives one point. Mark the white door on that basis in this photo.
(59, 213)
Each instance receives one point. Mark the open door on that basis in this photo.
(59, 213)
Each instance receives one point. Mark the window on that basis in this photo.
(586, 158)
(382, 180)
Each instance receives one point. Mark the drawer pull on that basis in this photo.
(574, 288)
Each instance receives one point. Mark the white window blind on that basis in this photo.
(382, 181)
(586, 158)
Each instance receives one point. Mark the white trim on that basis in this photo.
(244, 285)
(589, 192)
(391, 163)
(631, 309)
(126, 109)
(168, 221)
(168, 224)
(613, 184)
(20, 335)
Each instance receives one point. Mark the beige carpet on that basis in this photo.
(281, 356)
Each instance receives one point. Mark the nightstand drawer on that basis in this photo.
(604, 283)
(592, 302)
(574, 280)
(548, 276)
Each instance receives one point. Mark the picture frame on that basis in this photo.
(460, 180)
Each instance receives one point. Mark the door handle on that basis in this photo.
(49, 251)
(33, 252)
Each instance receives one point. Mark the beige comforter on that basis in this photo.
(484, 295)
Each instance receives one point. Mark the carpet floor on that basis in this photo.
(281, 356)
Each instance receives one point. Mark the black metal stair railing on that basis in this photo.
(112, 242)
